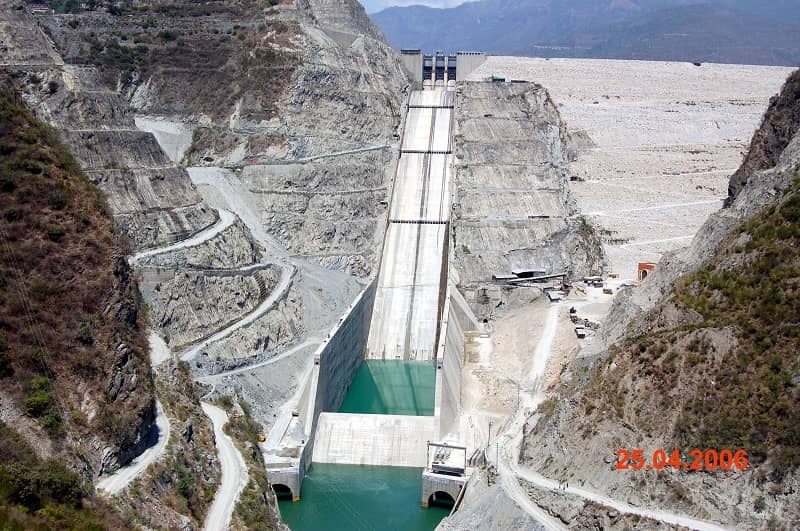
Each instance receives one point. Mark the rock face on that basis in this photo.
(178, 299)
(308, 79)
(704, 335)
(781, 124)
(511, 207)
(757, 181)
(72, 324)
(302, 102)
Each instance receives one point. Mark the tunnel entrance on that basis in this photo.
(441, 499)
(282, 492)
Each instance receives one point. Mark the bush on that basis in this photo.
(37, 403)
(52, 424)
(166, 35)
(226, 401)
(85, 334)
(56, 233)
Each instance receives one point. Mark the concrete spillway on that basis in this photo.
(385, 411)
(408, 299)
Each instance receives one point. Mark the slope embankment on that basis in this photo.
(708, 364)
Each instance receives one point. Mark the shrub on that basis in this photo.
(52, 424)
(85, 334)
(167, 35)
(56, 233)
(37, 403)
(226, 401)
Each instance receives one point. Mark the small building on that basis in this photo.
(439, 66)
(445, 476)
(39, 9)
(580, 331)
(644, 269)
(555, 295)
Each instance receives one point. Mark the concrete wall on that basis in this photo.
(288, 451)
(412, 62)
(467, 63)
(340, 356)
(450, 359)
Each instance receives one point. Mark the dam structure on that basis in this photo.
(408, 297)
(386, 381)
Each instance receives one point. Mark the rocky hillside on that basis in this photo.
(711, 363)
(511, 206)
(77, 394)
(267, 87)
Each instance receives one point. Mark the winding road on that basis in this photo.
(116, 482)
(234, 472)
(508, 444)
(225, 220)
(284, 283)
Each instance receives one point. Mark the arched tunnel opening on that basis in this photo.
(441, 499)
(282, 492)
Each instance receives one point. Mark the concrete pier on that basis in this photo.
(381, 440)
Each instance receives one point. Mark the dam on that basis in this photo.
(385, 384)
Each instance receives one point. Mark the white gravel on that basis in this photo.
(667, 137)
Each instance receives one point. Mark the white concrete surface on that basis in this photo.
(234, 472)
(174, 137)
(380, 440)
(119, 480)
(406, 310)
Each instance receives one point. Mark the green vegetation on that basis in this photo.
(68, 306)
(253, 508)
(722, 351)
(755, 403)
(45, 494)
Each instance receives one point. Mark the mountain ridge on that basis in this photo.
(723, 31)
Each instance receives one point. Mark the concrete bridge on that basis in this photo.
(410, 312)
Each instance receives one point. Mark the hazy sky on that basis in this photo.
(373, 6)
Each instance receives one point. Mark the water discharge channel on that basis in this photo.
(392, 388)
(362, 468)
(337, 496)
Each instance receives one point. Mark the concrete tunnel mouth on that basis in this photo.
(282, 492)
(441, 499)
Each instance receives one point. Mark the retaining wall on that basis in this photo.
(458, 318)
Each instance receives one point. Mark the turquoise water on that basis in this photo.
(352, 497)
(392, 388)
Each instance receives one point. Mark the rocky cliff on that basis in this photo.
(301, 103)
(76, 385)
(708, 361)
(263, 85)
(511, 205)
